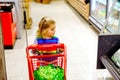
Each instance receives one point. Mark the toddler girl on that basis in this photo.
(45, 35)
(46, 31)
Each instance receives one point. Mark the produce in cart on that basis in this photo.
(49, 72)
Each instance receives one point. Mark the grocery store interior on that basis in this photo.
(79, 25)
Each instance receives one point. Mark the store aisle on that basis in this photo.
(79, 37)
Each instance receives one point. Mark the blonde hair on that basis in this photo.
(43, 25)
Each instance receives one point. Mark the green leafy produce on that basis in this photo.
(49, 72)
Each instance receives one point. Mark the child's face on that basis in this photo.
(50, 31)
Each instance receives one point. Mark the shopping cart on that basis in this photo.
(34, 60)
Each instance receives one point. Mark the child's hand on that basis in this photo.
(61, 50)
(34, 51)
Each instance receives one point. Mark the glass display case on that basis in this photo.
(98, 12)
(113, 23)
(108, 55)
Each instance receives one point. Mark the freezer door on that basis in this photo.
(98, 12)
(113, 23)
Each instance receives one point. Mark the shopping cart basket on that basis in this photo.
(34, 60)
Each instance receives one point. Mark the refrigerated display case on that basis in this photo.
(108, 55)
(113, 23)
(98, 12)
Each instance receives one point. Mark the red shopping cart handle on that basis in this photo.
(62, 60)
(46, 46)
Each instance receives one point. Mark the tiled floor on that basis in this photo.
(79, 37)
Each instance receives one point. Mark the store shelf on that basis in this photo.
(43, 1)
(26, 13)
(81, 7)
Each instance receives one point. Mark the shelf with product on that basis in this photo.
(81, 6)
(43, 1)
(26, 13)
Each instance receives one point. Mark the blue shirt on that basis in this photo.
(53, 40)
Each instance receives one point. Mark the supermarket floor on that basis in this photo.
(78, 35)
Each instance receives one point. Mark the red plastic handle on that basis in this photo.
(46, 46)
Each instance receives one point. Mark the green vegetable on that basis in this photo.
(49, 72)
